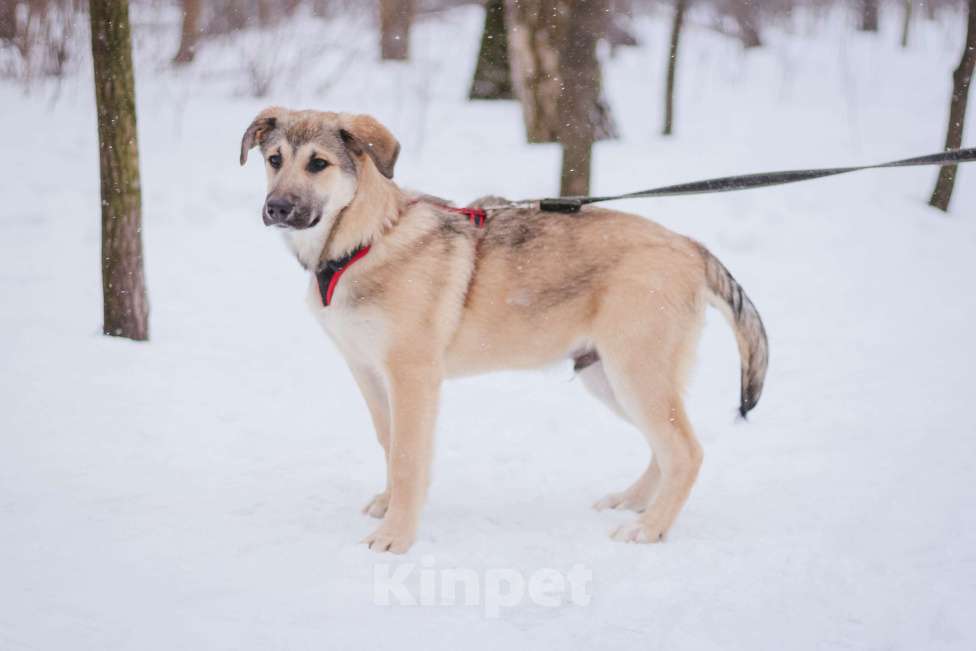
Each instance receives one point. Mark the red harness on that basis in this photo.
(329, 273)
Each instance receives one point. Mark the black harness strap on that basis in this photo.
(749, 181)
(329, 273)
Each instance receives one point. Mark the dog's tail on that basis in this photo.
(728, 297)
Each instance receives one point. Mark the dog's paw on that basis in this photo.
(638, 531)
(388, 539)
(624, 500)
(378, 505)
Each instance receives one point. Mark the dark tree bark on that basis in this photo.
(125, 306)
(962, 77)
(492, 75)
(679, 17)
(8, 20)
(536, 33)
(579, 70)
(906, 22)
(745, 14)
(395, 19)
(869, 16)
(190, 33)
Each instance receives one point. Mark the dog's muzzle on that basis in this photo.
(282, 212)
(277, 211)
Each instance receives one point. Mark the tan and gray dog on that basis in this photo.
(433, 295)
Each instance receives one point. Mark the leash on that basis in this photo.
(744, 181)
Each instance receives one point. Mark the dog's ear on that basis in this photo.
(364, 134)
(264, 123)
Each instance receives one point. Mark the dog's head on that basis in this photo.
(315, 161)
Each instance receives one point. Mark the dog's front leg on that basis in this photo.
(414, 387)
(377, 401)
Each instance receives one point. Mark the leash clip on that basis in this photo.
(567, 205)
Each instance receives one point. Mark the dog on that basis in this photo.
(426, 294)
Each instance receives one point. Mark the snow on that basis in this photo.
(202, 491)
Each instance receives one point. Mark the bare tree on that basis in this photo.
(906, 22)
(579, 70)
(533, 27)
(679, 17)
(962, 77)
(620, 32)
(265, 13)
(125, 306)
(395, 19)
(492, 75)
(8, 20)
(747, 18)
(536, 32)
(869, 16)
(190, 33)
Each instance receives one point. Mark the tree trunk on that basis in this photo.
(533, 51)
(265, 14)
(869, 15)
(492, 75)
(962, 77)
(679, 17)
(125, 306)
(8, 20)
(395, 19)
(745, 14)
(190, 33)
(906, 22)
(579, 70)
(620, 32)
(536, 30)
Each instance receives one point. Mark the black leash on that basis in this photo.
(749, 181)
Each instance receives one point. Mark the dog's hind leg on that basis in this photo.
(649, 391)
(636, 496)
(646, 340)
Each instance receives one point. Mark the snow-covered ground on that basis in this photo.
(202, 491)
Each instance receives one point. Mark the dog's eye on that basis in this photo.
(274, 160)
(317, 164)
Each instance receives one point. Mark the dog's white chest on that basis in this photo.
(358, 332)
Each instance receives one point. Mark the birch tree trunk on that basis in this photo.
(536, 31)
(679, 16)
(962, 78)
(492, 76)
(190, 33)
(395, 19)
(125, 306)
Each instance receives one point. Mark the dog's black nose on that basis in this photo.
(277, 210)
